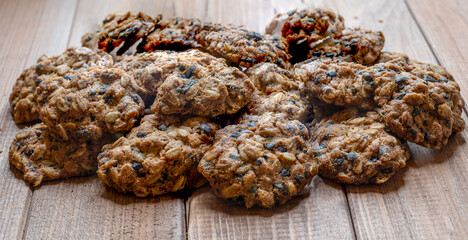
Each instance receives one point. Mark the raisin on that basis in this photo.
(205, 128)
(285, 172)
(338, 162)
(28, 152)
(137, 166)
(386, 170)
(332, 74)
(141, 134)
(299, 178)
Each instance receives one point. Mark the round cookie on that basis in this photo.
(354, 147)
(24, 106)
(91, 103)
(261, 161)
(420, 102)
(268, 78)
(336, 82)
(241, 46)
(120, 28)
(41, 156)
(174, 34)
(289, 103)
(352, 45)
(157, 157)
(197, 83)
(303, 27)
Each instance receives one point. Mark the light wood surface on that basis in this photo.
(426, 200)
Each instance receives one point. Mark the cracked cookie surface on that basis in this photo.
(261, 161)
(120, 28)
(336, 82)
(173, 34)
(91, 103)
(24, 106)
(241, 46)
(200, 84)
(41, 156)
(420, 102)
(157, 157)
(303, 27)
(355, 147)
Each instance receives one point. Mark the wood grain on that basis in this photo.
(89, 210)
(42, 29)
(427, 200)
(320, 212)
(445, 25)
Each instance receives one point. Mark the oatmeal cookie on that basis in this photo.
(173, 34)
(420, 102)
(352, 45)
(24, 106)
(289, 103)
(304, 27)
(120, 28)
(268, 78)
(261, 161)
(91, 103)
(157, 157)
(336, 82)
(241, 46)
(199, 84)
(354, 147)
(41, 156)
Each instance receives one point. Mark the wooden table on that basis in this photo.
(426, 200)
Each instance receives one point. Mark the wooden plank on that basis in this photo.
(426, 200)
(29, 29)
(320, 213)
(83, 208)
(445, 25)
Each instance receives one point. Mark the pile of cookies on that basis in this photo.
(156, 105)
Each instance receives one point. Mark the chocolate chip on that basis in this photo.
(91, 92)
(258, 162)
(233, 156)
(282, 149)
(299, 178)
(338, 162)
(234, 135)
(163, 127)
(108, 98)
(285, 172)
(68, 77)
(141, 134)
(205, 128)
(386, 170)
(135, 97)
(316, 54)
(352, 156)
(332, 74)
(280, 186)
(429, 78)
(28, 152)
(137, 166)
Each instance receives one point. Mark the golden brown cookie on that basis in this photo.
(157, 157)
(120, 30)
(352, 45)
(241, 46)
(41, 156)
(90, 103)
(336, 82)
(261, 161)
(173, 34)
(354, 147)
(197, 83)
(303, 27)
(420, 102)
(24, 106)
